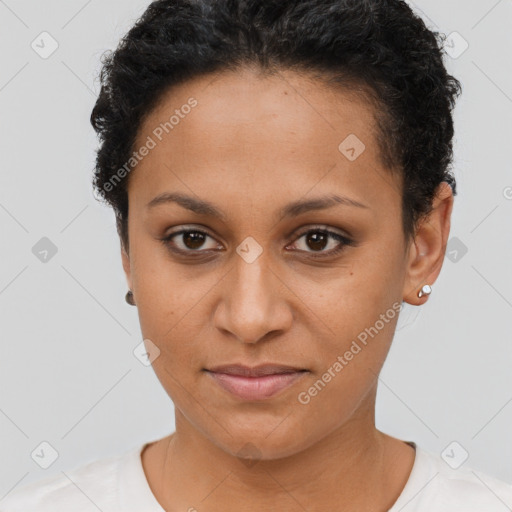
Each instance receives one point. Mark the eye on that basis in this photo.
(315, 240)
(188, 241)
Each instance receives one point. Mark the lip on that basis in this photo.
(255, 383)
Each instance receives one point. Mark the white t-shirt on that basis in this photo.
(118, 484)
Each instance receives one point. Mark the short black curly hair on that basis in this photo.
(379, 47)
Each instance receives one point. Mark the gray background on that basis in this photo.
(68, 375)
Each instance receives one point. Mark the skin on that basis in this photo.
(253, 144)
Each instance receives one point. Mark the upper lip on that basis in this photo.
(254, 371)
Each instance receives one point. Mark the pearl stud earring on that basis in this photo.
(425, 290)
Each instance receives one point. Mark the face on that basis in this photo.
(272, 270)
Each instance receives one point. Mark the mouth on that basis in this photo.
(255, 383)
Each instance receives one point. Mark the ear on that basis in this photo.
(125, 258)
(427, 250)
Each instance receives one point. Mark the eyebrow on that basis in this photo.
(292, 209)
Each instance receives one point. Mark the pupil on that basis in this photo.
(193, 239)
(318, 240)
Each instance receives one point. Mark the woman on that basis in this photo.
(279, 172)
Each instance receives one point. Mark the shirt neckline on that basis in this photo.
(135, 493)
(419, 477)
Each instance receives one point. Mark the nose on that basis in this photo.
(253, 305)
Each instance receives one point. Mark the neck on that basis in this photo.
(355, 465)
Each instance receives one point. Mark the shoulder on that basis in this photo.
(473, 489)
(438, 483)
(91, 487)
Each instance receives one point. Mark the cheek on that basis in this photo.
(173, 313)
(164, 290)
(345, 302)
(354, 318)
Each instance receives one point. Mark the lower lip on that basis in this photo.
(256, 388)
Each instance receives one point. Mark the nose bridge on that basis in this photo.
(250, 299)
(252, 280)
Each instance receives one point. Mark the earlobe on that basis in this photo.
(125, 258)
(426, 255)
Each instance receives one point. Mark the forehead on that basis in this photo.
(262, 132)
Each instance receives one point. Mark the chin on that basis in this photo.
(263, 440)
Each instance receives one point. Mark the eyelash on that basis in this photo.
(345, 241)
